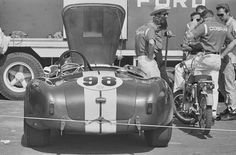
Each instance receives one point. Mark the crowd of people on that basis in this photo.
(208, 40)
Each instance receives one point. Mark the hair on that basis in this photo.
(224, 6)
(194, 13)
(202, 7)
(207, 13)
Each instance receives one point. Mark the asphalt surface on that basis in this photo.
(183, 142)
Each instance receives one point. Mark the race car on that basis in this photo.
(84, 93)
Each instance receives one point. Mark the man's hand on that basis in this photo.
(169, 34)
(228, 48)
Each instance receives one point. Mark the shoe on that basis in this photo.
(232, 111)
(223, 114)
(214, 115)
(228, 117)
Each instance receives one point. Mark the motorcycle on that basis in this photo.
(193, 104)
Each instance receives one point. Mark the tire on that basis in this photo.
(171, 79)
(159, 137)
(205, 118)
(34, 137)
(16, 72)
(185, 118)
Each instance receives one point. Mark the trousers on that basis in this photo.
(148, 66)
(226, 82)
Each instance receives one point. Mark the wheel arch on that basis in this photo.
(26, 50)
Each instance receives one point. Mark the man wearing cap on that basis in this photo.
(190, 49)
(148, 43)
(227, 76)
(212, 35)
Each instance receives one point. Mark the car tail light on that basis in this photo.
(149, 108)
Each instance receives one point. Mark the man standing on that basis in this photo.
(148, 44)
(160, 15)
(227, 75)
(212, 35)
(189, 52)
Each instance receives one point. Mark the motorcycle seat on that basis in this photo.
(198, 78)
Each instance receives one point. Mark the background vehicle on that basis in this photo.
(88, 95)
(26, 57)
(193, 104)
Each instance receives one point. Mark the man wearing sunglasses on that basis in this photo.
(189, 50)
(195, 18)
(148, 44)
(227, 73)
(160, 15)
(212, 35)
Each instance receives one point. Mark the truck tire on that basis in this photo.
(34, 137)
(159, 137)
(15, 73)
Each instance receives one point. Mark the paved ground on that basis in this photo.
(183, 142)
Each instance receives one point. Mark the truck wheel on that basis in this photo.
(35, 137)
(159, 137)
(16, 72)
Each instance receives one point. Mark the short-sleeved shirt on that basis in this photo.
(212, 35)
(186, 40)
(143, 35)
(231, 24)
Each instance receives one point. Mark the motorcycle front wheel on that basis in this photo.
(181, 110)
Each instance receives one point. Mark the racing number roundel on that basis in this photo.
(99, 82)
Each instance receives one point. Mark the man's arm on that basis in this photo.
(197, 32)
(229, 48)
(231, 44)
(151, 48)
(150, 36)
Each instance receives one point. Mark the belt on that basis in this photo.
(141, 53)
(208, 52)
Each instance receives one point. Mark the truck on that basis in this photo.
(27, 55)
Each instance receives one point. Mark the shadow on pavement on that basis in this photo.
(3, 98)
(194, 132)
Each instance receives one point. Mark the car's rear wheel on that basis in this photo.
(35, 137)
(159, 137)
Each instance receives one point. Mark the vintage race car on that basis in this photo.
(83, 93)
